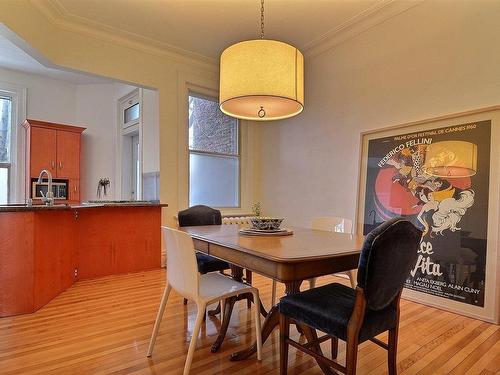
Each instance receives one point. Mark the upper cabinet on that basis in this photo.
(43, 150)
(55, 147)
(68, 154)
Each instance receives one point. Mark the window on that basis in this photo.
(5, 147)
(131, 110)
(214, 158)
(131, 114)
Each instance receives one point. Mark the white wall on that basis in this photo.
(434, 59)
(151, 131)
(97, 110)
(47, 99)
(93, 106)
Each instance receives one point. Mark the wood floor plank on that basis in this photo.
(103, 326)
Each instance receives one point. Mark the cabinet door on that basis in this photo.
(68, 154)
(43, 151)
(95, 245)
(137, 238)
(74, 190)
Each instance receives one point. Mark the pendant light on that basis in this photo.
(261, 79)
(451, 159)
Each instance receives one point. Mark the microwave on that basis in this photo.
(59, 188)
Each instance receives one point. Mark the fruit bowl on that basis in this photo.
(266, 223)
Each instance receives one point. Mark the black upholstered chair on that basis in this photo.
(203, 215)
(354, 316)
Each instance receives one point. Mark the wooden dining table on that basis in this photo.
(303, 255)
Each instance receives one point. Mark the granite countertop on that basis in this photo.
(23, 207)
(92, 204)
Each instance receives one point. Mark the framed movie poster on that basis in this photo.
(442, 175)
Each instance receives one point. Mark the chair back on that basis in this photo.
(388, 253)
(199, 215)
(332, 224)
(182, 268)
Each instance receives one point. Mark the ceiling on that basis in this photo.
(200, 28)
(206, 27)
(13, 57)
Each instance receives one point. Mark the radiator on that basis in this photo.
(244, 220)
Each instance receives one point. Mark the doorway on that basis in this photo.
(130, 128)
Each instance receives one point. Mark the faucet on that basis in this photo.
(48, 198)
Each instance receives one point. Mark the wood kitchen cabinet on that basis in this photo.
(43, 151)
(43, 251)
(55, 147)
(74, 190)
(114, 240)
(68, 154)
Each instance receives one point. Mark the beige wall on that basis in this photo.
(431, 60)
(67, 47)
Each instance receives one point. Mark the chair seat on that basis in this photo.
(329, 308)
(207, 264)
(214, 285)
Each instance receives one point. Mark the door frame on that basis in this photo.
(121, 131)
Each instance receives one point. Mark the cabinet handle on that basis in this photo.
(53, 164)
(75, 188)
(60, 165)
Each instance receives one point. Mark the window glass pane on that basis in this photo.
(213, 180)
(131, 113)
(4, 185)
(5, 120)
(211, 130)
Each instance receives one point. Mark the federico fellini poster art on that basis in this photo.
(439, 179)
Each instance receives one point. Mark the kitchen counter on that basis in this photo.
(38, 207)
(45, 249)
(23, 207)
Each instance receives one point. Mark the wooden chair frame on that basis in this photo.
(352, 342)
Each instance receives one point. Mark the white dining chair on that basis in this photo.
(184, 278)
(333, 224)
(339, 225)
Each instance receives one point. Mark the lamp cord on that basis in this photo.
(261, 19)
(262, 111)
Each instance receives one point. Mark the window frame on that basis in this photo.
(9, 179)
(196, 94)
(176, 162)
(16, 173)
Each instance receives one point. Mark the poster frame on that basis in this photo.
(490, 311)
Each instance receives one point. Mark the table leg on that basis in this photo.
(311, 335)
(215, 311)
(228, 309)
(237, 274)
(262, 309)
(272, 321)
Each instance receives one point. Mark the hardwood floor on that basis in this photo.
(103, 326)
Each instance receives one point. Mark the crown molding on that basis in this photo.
(53, 11)
(361, 22)
(56, 14)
